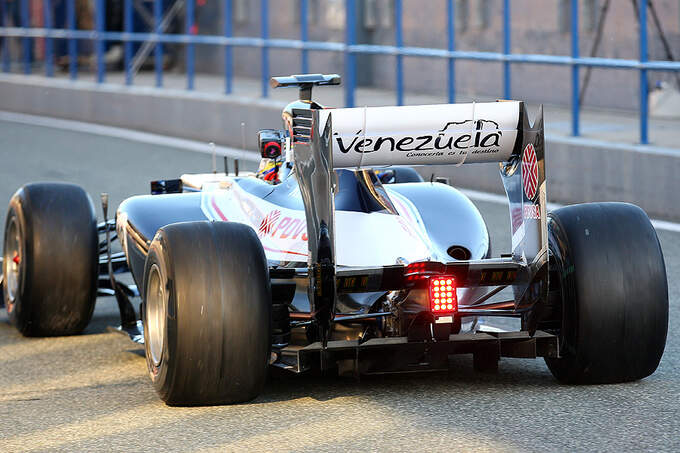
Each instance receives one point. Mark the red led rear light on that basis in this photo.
(443, 297)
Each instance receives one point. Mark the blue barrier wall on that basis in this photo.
(349, 48)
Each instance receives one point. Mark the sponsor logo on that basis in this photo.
(531, 211)
(480, 140)
(528, 211)
(529, 172)
(290, 228)
(275, 226)
(268, 223)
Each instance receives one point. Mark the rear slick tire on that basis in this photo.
(50, 259)
(612, 280)
(207, 313)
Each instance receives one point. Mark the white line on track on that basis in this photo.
(127, 134)
(204, 147)
(502, 199)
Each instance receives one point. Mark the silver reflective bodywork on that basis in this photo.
(314, 171)
(448, 216)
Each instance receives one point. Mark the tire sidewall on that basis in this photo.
(20, 311)
(161, 374)
(558, 244)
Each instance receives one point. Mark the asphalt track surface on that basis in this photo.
(91, 392)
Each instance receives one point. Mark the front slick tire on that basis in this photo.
(207, 313)
(612, 279)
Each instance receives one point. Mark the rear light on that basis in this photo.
(443, 297)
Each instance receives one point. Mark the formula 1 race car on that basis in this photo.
(338, 256)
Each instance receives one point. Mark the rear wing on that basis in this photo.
(497, 132)
(424, 134)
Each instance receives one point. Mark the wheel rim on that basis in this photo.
(12, 258)
(156, 305)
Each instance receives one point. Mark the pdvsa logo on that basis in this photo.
(268, 223)
(274, 225)
(529, 172)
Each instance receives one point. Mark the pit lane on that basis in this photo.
(91, 392)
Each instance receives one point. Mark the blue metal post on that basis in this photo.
(304, 57)
(575, 107)
(5, 39)
(48, 14)
(72, 43)
(127, 46)
(228, 63)
(100, 20)
(190, 47)
(644, 89)
(451, 30)
(350, 60)
(399, 38)
(264, 24)
(158, 50)
(25, 23)
(507, 82)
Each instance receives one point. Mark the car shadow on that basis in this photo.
(512, 373)
(286, 386)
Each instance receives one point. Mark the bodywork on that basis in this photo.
(410, 227)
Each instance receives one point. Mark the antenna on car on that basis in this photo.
(214, 157)
(243, 146)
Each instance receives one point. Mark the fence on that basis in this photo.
(349, 47)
